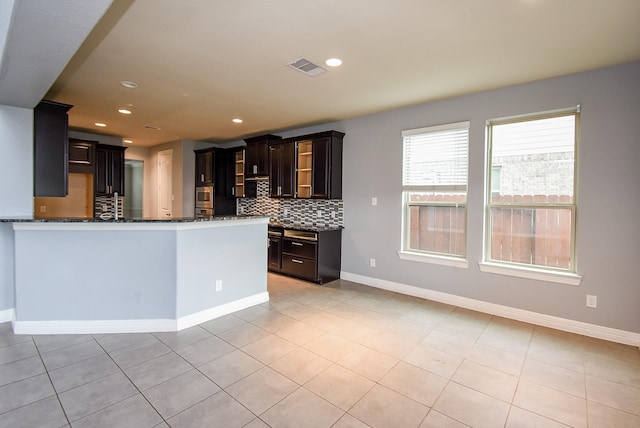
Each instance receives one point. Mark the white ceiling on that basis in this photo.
(200, 63)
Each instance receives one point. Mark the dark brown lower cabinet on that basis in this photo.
(312, 256)
(274, 257)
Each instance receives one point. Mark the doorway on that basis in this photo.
(165, 180)
(133, 185)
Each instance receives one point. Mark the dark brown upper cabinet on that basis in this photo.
(205, 161)
(109, 170)
(235, 173)
(317, 167)
(50, 149)
(82, 154)
(282, 169)
(257, 155)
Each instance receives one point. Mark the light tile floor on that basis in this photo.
(340, 355)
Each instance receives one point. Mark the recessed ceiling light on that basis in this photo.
(126, 140)
(124, 111)
(333, 62)
(236, 120)
(102, 125)
(129, 84)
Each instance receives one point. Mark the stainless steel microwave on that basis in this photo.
(204, 197)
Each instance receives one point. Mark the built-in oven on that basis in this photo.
(204, 202)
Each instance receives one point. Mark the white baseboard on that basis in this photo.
(131, 326)
(218, 311)
(586, 329)
(93, 326)
(7, 315)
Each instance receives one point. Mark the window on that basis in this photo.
(531, 207)
(434, 183)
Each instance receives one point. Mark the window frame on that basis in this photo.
(407, 253)
(531, 271)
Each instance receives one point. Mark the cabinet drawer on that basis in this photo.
(299, 248)
(299, 266)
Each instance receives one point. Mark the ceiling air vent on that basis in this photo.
(306, 66)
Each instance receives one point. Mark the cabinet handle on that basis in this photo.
(255, 169)
(297, 244)
(233, 190)
(297, 261)
(202, 177)
(279, 190)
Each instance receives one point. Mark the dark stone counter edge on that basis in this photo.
(131, 220)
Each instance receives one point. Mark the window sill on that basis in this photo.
(531, 273)
(434, 259)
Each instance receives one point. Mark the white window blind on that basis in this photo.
(550, 135)
(436, 158)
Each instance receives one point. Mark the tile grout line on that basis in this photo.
(64, 411)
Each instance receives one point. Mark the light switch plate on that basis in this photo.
(374, 201)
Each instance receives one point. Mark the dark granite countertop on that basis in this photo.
(129, 220)
(272, 223)
(298, 226)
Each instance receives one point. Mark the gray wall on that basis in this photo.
(235, 254)
(16, 187)
(16, 162)
(608, 241)
(95, 275)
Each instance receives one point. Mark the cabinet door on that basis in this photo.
(320, 182)
(109, 170)
(275, 170)
(81, 156)
(282, 170)
(257, 155)
(204, 168)
(275, 254)
(199, 169)
(101, 172)
(116, 163)
(50, 149)
(208, 167)
(239, 190)
(288, 170)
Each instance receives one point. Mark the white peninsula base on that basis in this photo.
(118, 277)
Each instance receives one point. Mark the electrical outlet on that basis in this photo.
(374, 201)
(372, 262)
(43, 208)
(592, 301)
(334, 215)
(218, 285)
(319, 214)
(286, 212)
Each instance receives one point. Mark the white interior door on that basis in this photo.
(165, 190)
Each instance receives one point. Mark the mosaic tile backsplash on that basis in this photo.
(311, 212)
(105, 204)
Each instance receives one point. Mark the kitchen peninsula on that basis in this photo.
(92, 276)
